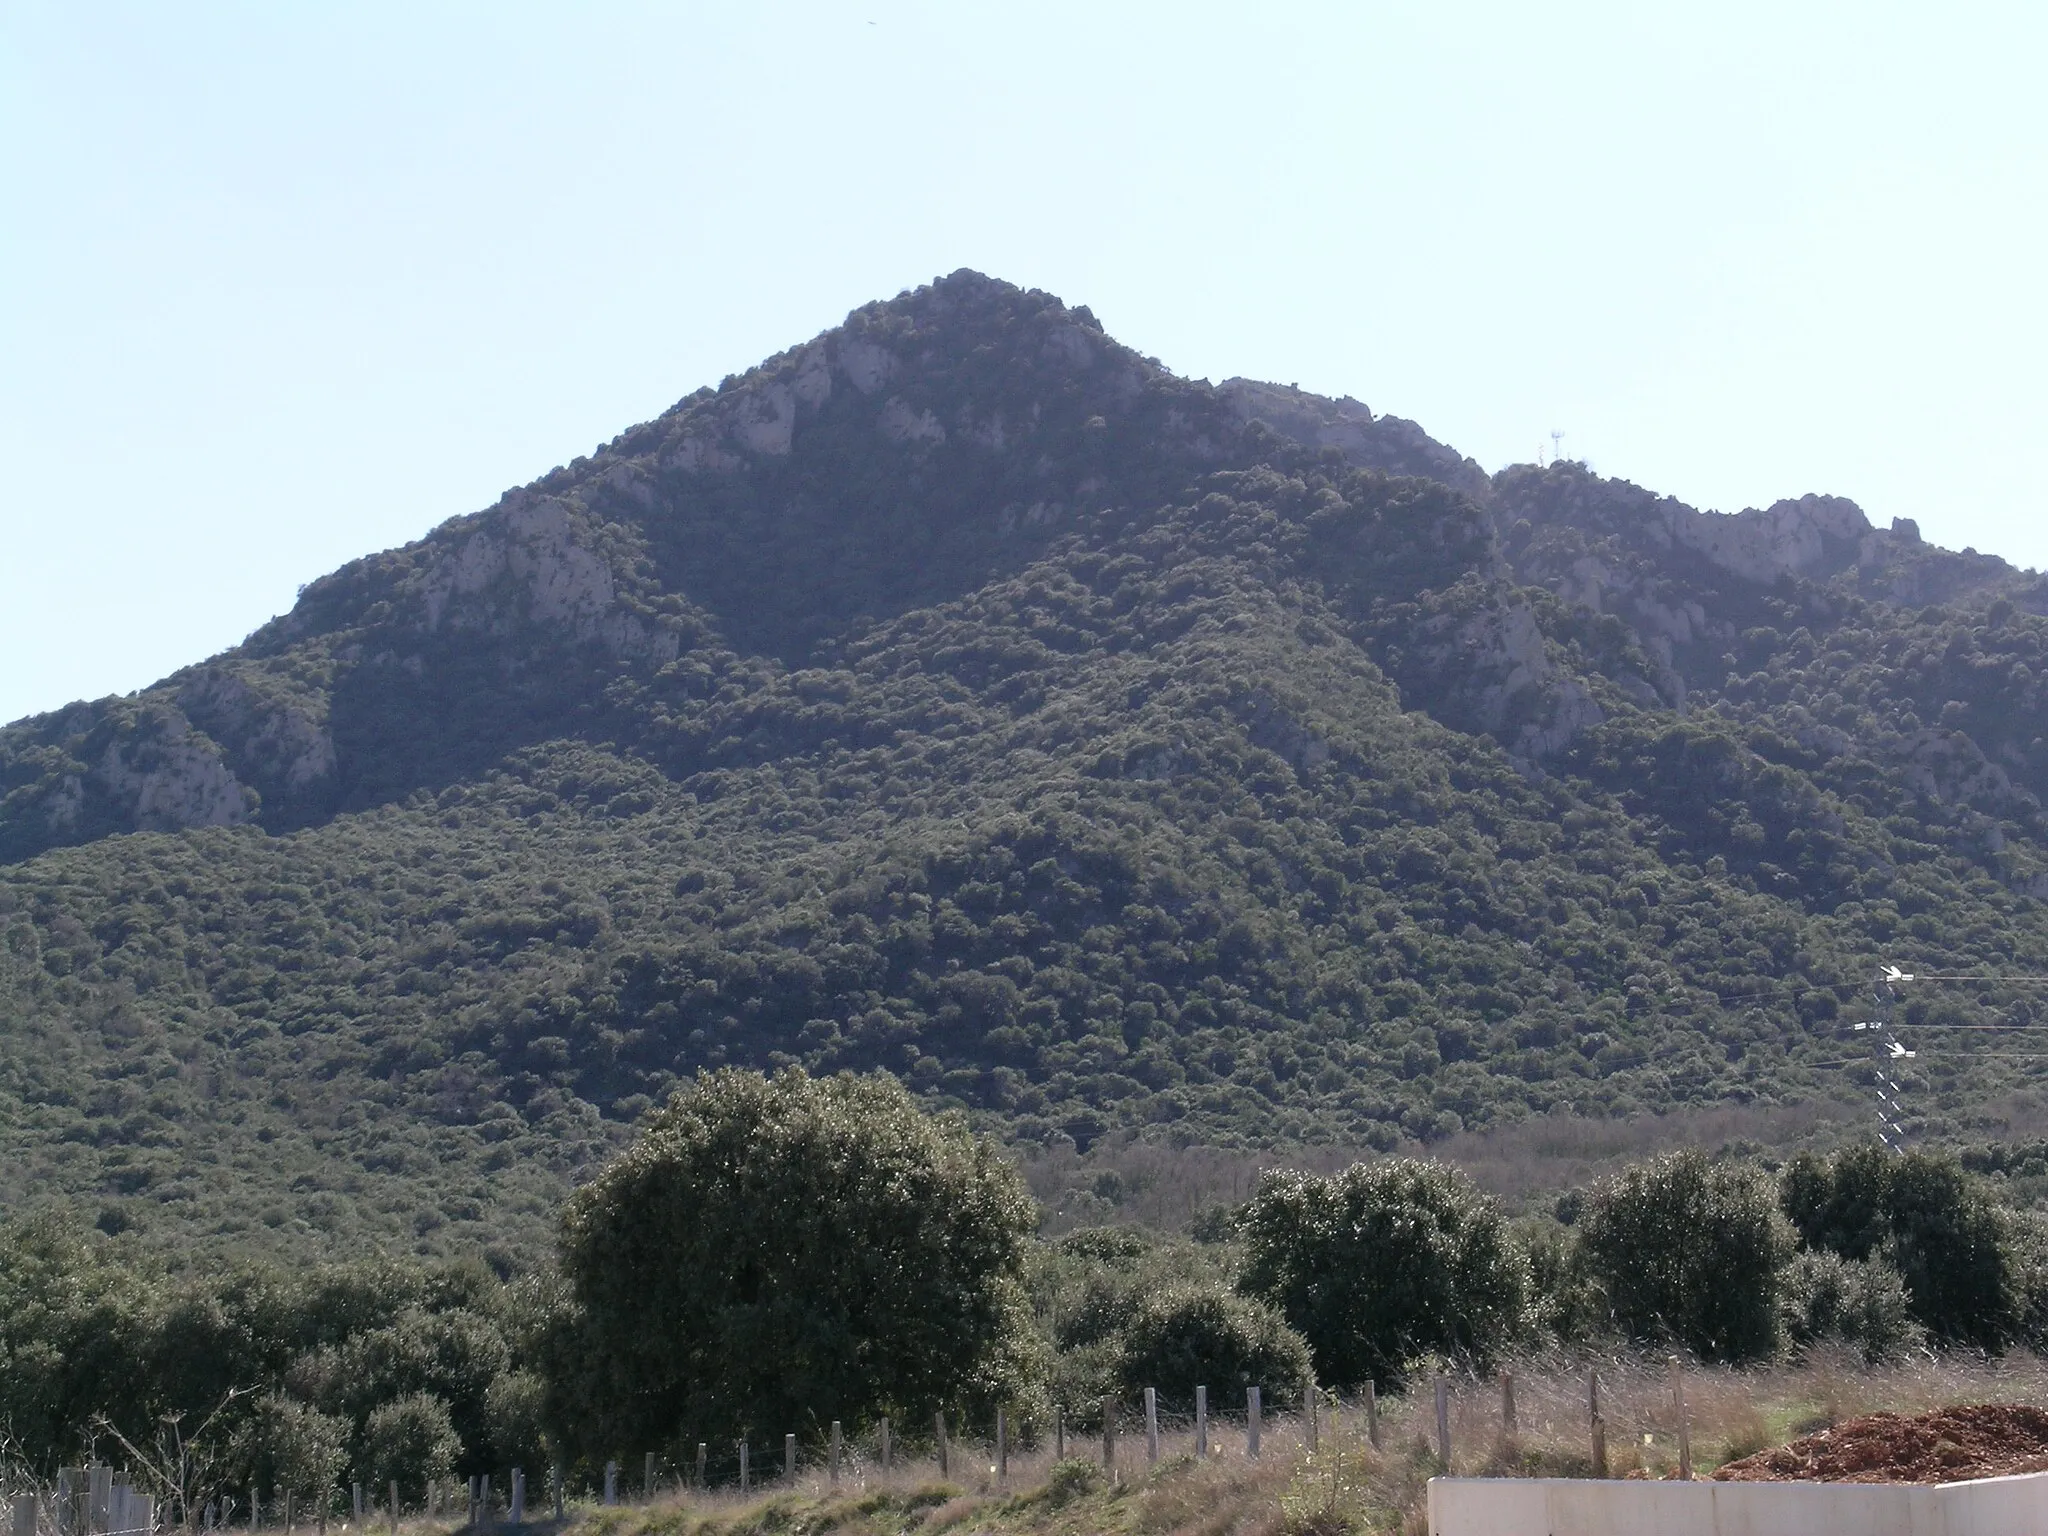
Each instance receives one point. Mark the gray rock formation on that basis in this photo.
(1371, 442)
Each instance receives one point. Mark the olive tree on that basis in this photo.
(775, 1253)
(1383, 1264)
(290, 1445)
(1858, 1301)
(1691, 1252)
(410, 1441)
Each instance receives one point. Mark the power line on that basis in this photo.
(1997, 1028)
(1893, 975)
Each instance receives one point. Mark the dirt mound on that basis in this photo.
(1949, 1445)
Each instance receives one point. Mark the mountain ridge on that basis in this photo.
(220, 743)
(962, 694)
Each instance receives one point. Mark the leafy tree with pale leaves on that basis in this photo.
(411, 1441)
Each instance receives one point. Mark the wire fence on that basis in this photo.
(99, 1500)
(1602, 1415)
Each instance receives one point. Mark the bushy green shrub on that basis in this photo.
(1074, 1478)
(1937, 1224)
(1385, 1263)
(1208, 1337)
(289, 1445)
(1858, 1301)
(71, 1321)
(452, 1356)
(269, 1360)
(1690, 1252)
(1564, 1303)
(410, 1441)
(514, 1411)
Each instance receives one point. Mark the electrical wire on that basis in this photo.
(1989, 981)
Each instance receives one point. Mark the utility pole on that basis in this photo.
(1889, 1049)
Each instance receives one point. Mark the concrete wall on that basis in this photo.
(1998, 1506)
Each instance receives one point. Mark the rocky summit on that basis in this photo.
(1106, 753)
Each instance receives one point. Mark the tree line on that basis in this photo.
(773, 1254)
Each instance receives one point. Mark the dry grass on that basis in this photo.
(1525, 1164)
(1345, 1486)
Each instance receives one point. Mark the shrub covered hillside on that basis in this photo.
(964, 695)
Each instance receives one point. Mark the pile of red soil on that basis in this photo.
(1949, 1445)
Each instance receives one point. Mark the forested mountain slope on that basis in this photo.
(964, 694)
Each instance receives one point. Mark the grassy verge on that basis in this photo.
(1344, 1486)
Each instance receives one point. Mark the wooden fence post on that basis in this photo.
(519, 1496)
(1109, 1434)
(647, 1480)
(1315, 1428)
(24, 1514)
(1252, 1425)
(483, 1502)
(945, 1459)
(1059, 1432)
(1443, 1422)
(888, 1452)
(1201, 1423)
(835, 1453)
(1508, 1427)
(1002, 1445)
(1372, 1414)
(70, 1486)
(1598, 1423)
(1684, 1428)
(555, 1487)
(611, 1484)
(702, 1451)
(789, 1458)
(1151, 1424)
(394, 1507)
(289, 1512)
(746, 1472)
(356, 1501)
(99, 1499)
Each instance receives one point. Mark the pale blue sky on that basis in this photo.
(281, 284)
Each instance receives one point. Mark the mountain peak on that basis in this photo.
(928, 445)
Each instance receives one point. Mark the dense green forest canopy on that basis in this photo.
(1104, 753)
